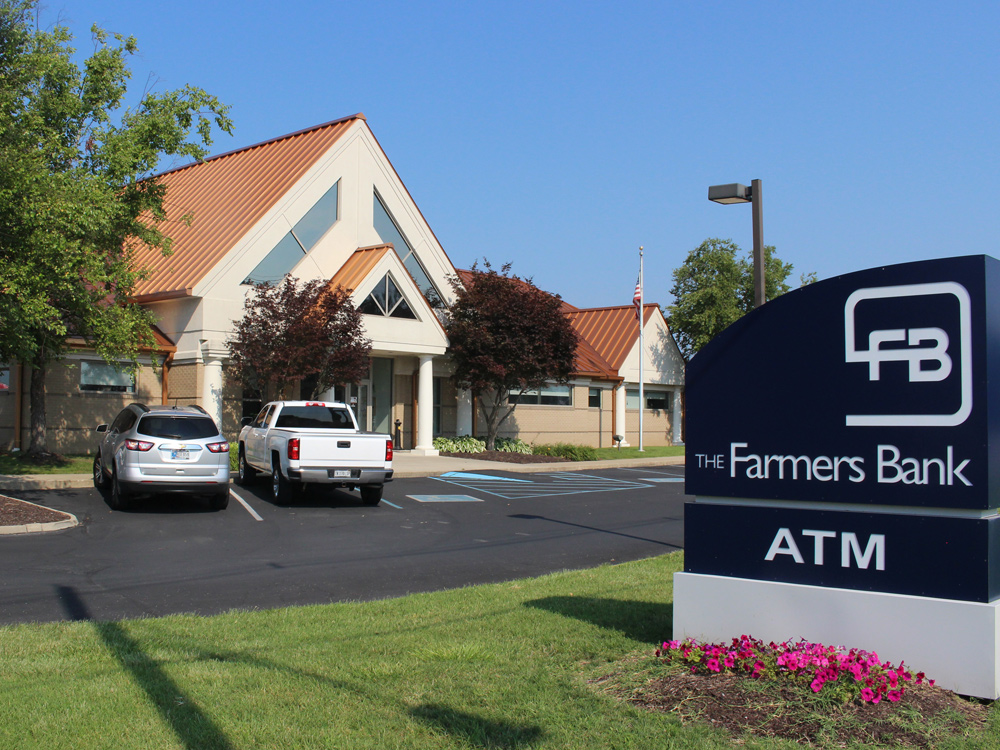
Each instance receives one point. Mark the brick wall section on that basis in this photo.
(581, 424)
(71, 415)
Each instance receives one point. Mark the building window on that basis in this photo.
(4, 378)
(100, 376)
(389, 233)
(655, 400)
(299, 241)
(550, 395)
(594, 398)
(387, 300)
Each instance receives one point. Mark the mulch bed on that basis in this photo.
(19, 513)
(506, 457)
(744, 706)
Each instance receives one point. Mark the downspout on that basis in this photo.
(164, 389)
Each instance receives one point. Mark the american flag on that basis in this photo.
(637, 297)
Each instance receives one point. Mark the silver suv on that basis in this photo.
(153, 449)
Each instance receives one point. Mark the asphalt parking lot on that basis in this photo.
(168, 555)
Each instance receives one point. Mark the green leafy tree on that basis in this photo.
(290, 332)
(506, 336)
(76, 194)
(713, 288)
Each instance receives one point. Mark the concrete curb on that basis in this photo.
(33, 528)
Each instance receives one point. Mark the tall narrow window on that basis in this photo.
(386, 300)
(299, 241)
(389, 233)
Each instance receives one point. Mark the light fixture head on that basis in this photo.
(732, 193)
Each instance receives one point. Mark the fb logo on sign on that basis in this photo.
(927, 351)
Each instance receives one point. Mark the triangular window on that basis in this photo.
(299, 241)
(386, 300)
(389, 233)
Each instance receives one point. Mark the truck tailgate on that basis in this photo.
(324, 448)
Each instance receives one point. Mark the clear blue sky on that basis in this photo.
(561, 136)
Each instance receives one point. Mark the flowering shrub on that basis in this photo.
(848, 674)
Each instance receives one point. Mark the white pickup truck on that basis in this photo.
(299, 442)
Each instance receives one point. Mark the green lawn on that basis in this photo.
(660, 451)
(496, 666)
(12, 464)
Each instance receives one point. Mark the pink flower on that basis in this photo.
(817, 685)
(867, 695)
(713, 665)
(730, 660)
(894, 695)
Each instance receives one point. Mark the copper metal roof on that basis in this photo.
(358, 266)
(226, 195)
(612, 331)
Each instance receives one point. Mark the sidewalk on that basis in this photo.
(404, 464)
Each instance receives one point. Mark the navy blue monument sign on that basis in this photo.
(845, 433)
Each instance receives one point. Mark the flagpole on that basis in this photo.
(642, 399)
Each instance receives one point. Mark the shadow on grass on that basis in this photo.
(646, 622)
(475, 730)
(193, 728)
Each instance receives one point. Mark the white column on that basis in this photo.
(425, 407)
(211, 382)
(620, 413)
(463, 422)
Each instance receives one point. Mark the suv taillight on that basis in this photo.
(388, 450)
(218, 447)
(138, 445)
(293, 449)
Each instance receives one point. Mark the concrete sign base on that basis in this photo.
(956, 643)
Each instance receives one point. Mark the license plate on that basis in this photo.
(180, 455)
(342, 473)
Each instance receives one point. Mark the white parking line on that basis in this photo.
(246, 505)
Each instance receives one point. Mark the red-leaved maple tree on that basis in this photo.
(506, 336)
(291, 331)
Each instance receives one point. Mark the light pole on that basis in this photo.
(737, 193)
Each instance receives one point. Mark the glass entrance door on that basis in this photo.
(361, 406)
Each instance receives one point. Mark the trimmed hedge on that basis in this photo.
(566, 450)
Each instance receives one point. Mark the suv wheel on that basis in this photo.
(281, 488)
(100, 481)
(220, 501)
(118, 501)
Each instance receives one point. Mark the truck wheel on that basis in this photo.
(246, 472)
(281, 488)
(371, 494)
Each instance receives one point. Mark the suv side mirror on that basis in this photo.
(102, 428)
